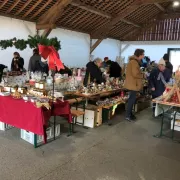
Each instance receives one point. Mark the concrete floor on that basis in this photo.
(124, 151)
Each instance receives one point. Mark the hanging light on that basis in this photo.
(176, 3)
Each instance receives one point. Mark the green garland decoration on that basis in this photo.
(32, 41)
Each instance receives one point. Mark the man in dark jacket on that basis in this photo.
(158, 79)
(2, 67)
(93, 72)
(168, 64)
(114, 69)
(34, 62)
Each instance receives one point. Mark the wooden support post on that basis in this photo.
(45, 26)
(95, 45)
(124, 48)
(46, 32)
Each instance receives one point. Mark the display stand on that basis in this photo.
(170, 114)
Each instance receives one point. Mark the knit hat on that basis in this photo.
(162, 62)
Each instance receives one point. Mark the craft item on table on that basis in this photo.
(41, 85)
(5, 93)
(16, 94)
(37, 85)
(172, 94)
(49, 79)
(39, 105)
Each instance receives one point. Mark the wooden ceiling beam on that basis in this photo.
(2, 5)
(23, 7)
(104, 30)
(52, 15)
(46, 32)
(32, 8)
(160, 7)
(95, 45)
(54, 12)
(91, 9)
(83, 6)
(41, 9)
(159, 17)
(131, 23)
(13, 6)
(45, 26)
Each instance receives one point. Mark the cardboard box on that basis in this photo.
(4, 126)
(176, 125)
(93, 116)
(140, 106)
(30, 137)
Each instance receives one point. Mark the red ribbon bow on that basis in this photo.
(54, 58)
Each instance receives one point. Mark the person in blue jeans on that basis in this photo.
(133, 82)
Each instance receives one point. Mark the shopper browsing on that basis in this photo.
(159, 77)
(133, 81)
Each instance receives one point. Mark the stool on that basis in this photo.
(75, 114)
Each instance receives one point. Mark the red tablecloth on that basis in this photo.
(62, 109)
(25, 115)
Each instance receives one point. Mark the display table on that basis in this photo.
(166, 110)
(101, 93)
(25, 115)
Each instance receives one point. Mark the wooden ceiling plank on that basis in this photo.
(130, 9)
(13, 6)
(23, 7)
(131, 23)
(160, 7)
(41, 9)
(2, 5)
(158, 17)
(51, 14)
(83, 6)
(91, 9)
(32, 8)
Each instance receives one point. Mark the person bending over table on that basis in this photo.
(158, 79)
(133, 82)
(17, 62)
(93, 72)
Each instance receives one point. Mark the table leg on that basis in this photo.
(174, 120)
(54, 127)
(35, 140)
(162, 122)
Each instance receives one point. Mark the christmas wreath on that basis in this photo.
(32, 41)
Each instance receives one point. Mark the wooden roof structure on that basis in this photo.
(126, 20)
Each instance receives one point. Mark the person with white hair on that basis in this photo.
(93, 72)
(158, 79)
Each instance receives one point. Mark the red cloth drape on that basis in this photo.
(25, 115)
(54, 58)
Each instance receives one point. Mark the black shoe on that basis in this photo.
(128, 119)
(133, 117)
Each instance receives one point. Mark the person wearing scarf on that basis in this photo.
(158, 79)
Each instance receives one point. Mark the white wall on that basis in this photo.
(74, 47)
(108, 48)
(155, 50)
(11, 28)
